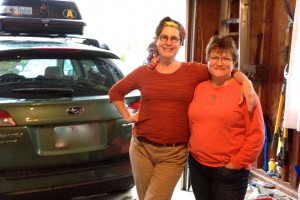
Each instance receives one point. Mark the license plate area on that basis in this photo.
(77, 136)
(70, 139)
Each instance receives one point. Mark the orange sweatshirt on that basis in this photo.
(223, 131)
(165, 99)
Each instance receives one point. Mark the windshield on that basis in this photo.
(46, 78)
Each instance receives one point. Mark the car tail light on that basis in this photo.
(133, 107)
(5, 119)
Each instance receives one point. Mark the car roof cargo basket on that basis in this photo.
(41, 17)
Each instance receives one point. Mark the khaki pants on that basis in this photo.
(156, 169)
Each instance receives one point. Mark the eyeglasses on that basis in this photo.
(165, 38)
(217, 59)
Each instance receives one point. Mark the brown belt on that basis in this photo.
(145, 140)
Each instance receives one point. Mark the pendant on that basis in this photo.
(213, 98)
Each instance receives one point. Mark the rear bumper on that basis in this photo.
(102, 179)
(68, 192)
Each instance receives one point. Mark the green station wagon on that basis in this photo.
(59, 133)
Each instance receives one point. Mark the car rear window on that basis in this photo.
(52, 78)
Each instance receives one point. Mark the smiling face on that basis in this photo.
(168, 49)
(220, 64)
(221, 56)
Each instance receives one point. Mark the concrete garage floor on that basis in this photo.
(131, 195)
(179, 194)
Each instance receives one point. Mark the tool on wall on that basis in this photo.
(282, 148)
(266, 145)
(287, 40)
(280, 137)
(278, 129)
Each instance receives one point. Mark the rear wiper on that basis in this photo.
(61, 91)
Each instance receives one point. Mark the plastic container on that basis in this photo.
(253, 192)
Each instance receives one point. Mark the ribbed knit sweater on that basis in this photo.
(165, 98)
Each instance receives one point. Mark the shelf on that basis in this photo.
(280, 185)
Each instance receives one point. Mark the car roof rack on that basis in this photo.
(40, 17)
(65, 37)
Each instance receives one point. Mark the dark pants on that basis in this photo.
(217, 183)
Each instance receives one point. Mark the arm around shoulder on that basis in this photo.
(248, 91)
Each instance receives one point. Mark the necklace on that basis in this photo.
(213, 98)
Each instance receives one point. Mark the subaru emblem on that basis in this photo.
(75, 110)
